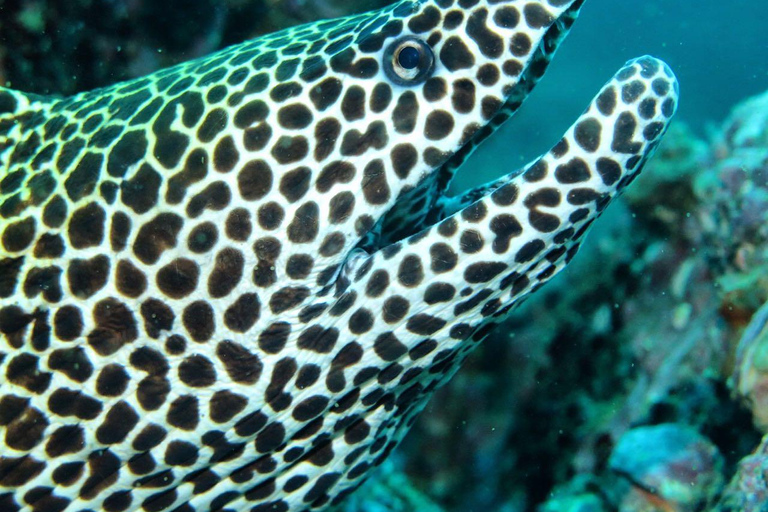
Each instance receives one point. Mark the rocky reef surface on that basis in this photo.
(637, 381)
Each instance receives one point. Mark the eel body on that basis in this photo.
(233, 284)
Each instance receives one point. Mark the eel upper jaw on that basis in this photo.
(517, 94)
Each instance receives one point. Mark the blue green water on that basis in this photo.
(717, 48)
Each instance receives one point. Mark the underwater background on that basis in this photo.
(637, 380)
(718, 50)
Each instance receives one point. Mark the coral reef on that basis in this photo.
(750, 379)
(389, 491)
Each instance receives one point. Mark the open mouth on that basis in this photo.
(429, 201)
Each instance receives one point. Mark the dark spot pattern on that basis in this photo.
(216, 273)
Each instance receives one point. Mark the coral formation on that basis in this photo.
(668, 466)
(750, 378)
(748, 490)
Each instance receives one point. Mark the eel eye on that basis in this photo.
(409, 61)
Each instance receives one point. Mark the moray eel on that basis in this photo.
(233, 284)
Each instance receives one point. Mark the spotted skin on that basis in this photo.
(233, 284)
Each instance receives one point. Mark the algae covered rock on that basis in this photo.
(582, 494)
(97, 43)
(750, 379)
(748, 490)
(669, 467)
